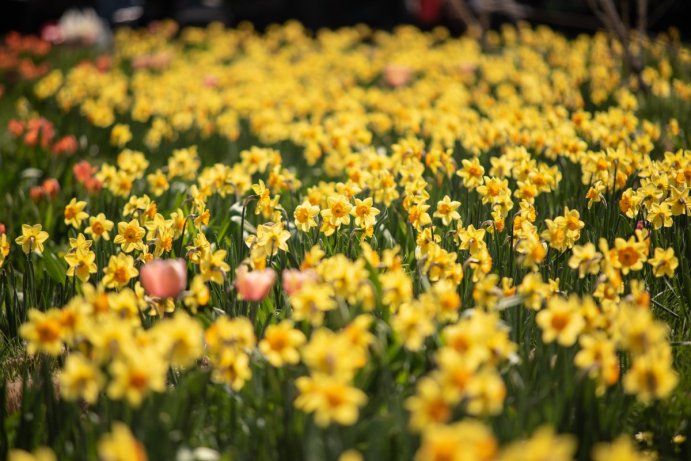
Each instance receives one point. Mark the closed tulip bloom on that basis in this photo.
(294, 279)
(254, 286)
(51, 187)
(164, 278)
(397, 75)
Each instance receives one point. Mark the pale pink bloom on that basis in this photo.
(141, 62)
(164, 278)
(210, 81)
(254, 286)
(467, 67)
(51, 33)
(294, 279)
(397, 75)
(152, 61)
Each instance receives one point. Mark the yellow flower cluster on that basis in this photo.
(333, 359)
(467, 373)
(108, 348)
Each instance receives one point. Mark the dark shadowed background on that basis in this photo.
(571, 17)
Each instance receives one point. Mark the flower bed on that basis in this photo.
(354, 244)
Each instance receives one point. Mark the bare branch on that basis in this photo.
(463, 11)
(607, 12)
(642, 17)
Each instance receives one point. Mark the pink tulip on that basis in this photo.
(51, 33)
(397, 75)
(164, 278)
(294, 279)
(467, 67)
(254, 286)
(210, 81)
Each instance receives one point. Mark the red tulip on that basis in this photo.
(294, 279)
(254, 286)
(164, 278)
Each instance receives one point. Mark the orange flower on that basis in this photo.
(83, 171)
(39, 129)
(104, 63)
(66, 145)
(36, 193)
(15, 127)
(51, 187)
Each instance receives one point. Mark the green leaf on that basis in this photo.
(55, 267)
